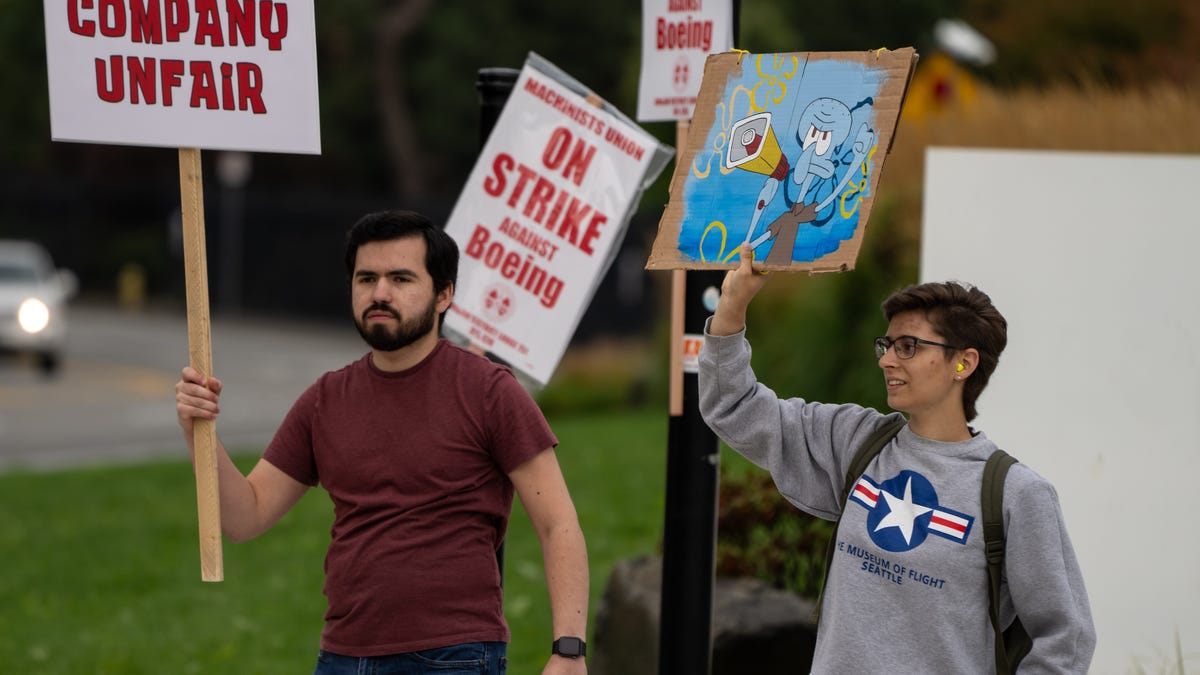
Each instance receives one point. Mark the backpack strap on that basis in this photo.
(1014, 643)
(858, 464)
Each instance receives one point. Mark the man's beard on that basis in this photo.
(408, 332)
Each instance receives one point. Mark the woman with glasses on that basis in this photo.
(907, 588)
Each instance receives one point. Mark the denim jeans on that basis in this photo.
(473, 658)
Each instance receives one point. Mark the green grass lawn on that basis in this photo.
(100, 567)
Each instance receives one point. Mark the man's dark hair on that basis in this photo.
(964, 317)
(441, 253)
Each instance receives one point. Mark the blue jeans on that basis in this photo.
(473, 658)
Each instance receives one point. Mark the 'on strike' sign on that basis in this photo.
(541, 217)
(233, 75)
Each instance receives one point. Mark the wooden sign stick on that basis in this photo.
(204, 434)
(678, 298)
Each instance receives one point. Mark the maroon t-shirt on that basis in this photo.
(416, 464)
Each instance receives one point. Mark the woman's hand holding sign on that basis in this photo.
(738, 289)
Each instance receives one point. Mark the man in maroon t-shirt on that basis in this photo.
(420, 445)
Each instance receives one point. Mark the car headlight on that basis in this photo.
(33, 316)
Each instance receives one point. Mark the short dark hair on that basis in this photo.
(441, 253)
(963, 316)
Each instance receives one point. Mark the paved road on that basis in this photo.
(114, 397)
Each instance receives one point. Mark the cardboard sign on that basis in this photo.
(541, 217)
(677, 35)
(184, 74)
(785, 152)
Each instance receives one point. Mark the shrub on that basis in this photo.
(762, 535)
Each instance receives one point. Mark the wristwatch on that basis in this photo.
(570, 647)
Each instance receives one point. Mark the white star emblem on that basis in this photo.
(903, 512)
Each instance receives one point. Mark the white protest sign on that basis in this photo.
(542, 215)
(677, 36)
(192, 75)
(236, 75)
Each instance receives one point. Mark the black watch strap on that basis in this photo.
(570, 647)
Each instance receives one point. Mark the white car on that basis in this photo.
(33, 299)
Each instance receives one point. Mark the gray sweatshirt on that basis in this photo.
(907, 589)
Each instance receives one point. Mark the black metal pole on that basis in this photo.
(693, 478)
(690, 525)
(494, 86)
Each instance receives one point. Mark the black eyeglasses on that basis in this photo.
(905, 345)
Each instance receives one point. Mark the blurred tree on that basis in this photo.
(596, 43)
(396, 77)
(24, 96)
(773, 26)
(399, 109)
(396, 25)
(1109, 42)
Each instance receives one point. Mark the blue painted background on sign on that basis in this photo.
(813, 163)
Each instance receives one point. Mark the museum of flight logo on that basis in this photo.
(904, 511)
